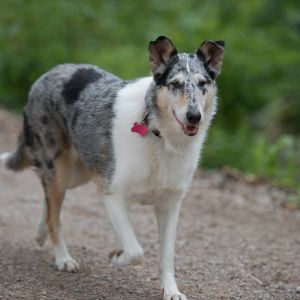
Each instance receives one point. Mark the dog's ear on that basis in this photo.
(160, 52)
(212, 53)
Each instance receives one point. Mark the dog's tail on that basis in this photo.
(18, 160)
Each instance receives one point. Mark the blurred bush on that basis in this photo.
(259, 105)
(254, 154)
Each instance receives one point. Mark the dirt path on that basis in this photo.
(234, 242)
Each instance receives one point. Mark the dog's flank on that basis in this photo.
(77, 128)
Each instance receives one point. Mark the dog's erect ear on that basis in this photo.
(212, 53)
(160, 51)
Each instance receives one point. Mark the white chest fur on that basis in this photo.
(145, 168)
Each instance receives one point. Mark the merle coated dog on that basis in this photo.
(136, 140)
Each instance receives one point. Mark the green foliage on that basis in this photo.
(259, 89)
(254, 154)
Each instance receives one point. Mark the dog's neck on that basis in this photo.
(146, 121)
(150, 110)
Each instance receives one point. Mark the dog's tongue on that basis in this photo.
(191, 130)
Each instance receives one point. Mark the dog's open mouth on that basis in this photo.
(188, 129)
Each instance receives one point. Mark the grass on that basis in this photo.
(254, 154)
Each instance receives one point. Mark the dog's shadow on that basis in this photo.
(29, 273)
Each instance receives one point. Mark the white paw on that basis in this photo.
(120, 258)
(67, 264)
(4, 158)
(174, 296)
(42, 234)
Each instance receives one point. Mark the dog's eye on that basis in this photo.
(176, 84)
(202, 83)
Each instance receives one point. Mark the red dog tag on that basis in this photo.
(139, 128)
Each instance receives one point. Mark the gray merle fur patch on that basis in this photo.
(80, 79)
(72, 105)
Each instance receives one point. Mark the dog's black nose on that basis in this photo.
(193, 117)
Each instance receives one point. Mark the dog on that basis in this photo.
(138, 141)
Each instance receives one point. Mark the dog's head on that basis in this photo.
(185, 83)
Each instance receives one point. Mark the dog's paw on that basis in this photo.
(174, 296)
(120, 258)
(67, 264)
(115, 254)
(4, 157)
(42, 234)
(40, 240)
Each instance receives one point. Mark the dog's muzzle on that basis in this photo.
(190, 128)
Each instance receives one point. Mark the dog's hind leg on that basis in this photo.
(132, 252)
(4, 158)
(42, 228)
(55, 189)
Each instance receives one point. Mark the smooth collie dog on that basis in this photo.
(138, 141)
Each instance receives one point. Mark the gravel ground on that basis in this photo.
(235, 241)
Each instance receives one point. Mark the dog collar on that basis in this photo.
(142, 127)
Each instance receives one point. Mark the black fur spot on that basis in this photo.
(36, 163)
(50, 164)
(65, 122)
(191, 55)
(51, 143)
(207, 79)
(28, 135)
(107, 133)
(108, 106)
(57, 154)
(44, 119)
(37, 139)
(210, 72)
(81, 78)
(75, 118)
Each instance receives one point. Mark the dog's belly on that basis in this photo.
(153, 197)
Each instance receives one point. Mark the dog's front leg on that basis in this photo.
(132, 252)
(167, 214)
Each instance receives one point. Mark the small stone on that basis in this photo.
(298, 290)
